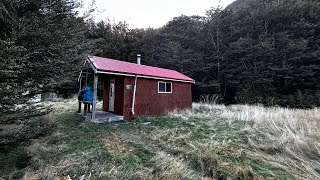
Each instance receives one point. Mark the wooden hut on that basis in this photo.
(131, 89)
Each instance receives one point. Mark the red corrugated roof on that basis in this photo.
(116, 66)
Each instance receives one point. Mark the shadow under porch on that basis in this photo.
(107, 94)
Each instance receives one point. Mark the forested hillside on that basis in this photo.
(261, 51)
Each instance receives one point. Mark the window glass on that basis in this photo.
(168, 87)
(162, 87)
(165, 87)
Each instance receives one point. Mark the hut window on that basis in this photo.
(164, 87)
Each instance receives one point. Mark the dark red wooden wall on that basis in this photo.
(148, 100)
(106, 89)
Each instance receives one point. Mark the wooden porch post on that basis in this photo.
(87, 76)
(94, 99)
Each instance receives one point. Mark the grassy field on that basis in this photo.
(207, 142)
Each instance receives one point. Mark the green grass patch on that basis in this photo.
(14, 160)
(202, 132)
(235, 132)
(79, 136)
(82, 144)
(70, 120)
(139, 156)
(260, 166)
(168, 122)
(144, 154)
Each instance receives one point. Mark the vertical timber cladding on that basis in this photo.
(150, 102)
(106, 88)
(119, 95)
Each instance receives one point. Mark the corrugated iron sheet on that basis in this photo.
(116, 66)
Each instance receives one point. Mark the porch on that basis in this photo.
(103, 117)
(108, 95)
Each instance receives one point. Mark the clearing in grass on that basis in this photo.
(207, 142)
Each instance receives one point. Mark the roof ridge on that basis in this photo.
(119, 66)
(133, 63)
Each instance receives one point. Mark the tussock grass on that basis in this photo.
(208, 142)
(288, 139)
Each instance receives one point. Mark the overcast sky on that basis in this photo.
(150, 13)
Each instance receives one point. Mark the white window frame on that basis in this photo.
(165, 87)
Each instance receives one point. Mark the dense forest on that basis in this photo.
(254, 51)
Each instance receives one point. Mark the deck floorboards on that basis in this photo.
(103, 117)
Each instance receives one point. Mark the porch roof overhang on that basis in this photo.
(115, 67)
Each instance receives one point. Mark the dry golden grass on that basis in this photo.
(291, 136)
(208, 142)
(66, 105)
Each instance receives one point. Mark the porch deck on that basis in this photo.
(103, 117)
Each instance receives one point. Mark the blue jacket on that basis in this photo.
(88, 94)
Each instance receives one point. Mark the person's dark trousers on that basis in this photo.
(86, 108)
(79, 109)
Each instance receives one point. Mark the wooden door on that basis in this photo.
(111, 95)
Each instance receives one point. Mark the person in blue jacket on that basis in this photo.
(87, 97)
